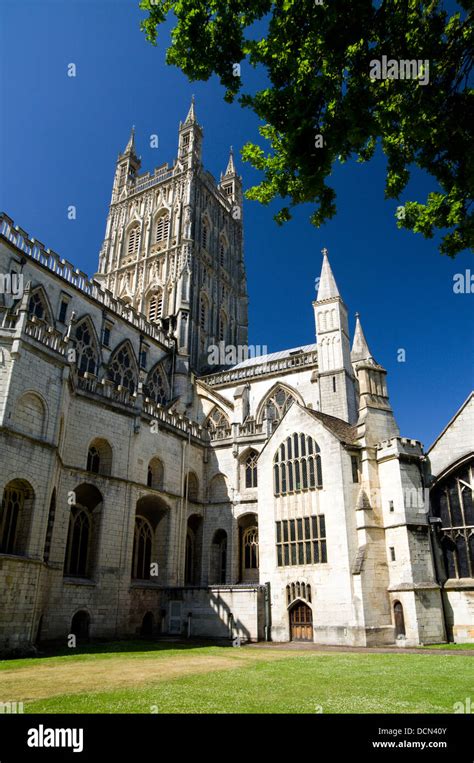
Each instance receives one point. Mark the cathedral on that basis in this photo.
(148, 490)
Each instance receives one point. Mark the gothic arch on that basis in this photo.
(218, 489)
(248, 468)
(155, 473)
(272, 392)
(99, 457)
(40, 306)
(132, 238)
(161, 225)
(218, 558)
(154, 303)
(157, 385)
(87, 345)
(122, 368)
(217, 423)
(31, 414)
(191, 487)
(18, 499)
(82, 546)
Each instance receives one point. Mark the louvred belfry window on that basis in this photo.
(162, 228)
(133, 240)
(155, 306)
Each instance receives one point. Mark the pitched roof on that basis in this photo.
(341, 429)
(273, 356)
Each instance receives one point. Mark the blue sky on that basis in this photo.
(59, 139)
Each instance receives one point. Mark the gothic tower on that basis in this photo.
(173, 247)
(336, 376)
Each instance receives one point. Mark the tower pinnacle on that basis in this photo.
(360, 348)
(191, 113)
(230, 164)
(130, 147)
(327, 288)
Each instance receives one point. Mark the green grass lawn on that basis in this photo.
(449, 646)
(169, 678)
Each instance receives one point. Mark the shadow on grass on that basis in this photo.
(117, 647)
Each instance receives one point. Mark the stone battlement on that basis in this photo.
(76, 278)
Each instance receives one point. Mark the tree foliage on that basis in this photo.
(316, 60)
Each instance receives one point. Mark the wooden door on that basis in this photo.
(301, 622)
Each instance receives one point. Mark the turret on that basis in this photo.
(375, 411)
(190, 139)
(336, 379)
(126, 168)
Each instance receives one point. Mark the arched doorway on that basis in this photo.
(80, 625)
(218, 558)
(248, 553)
(301, 622)
(147, 625)
(193, 552)
(399, 619)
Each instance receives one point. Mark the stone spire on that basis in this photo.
(191, 118)
(130, 147)
(327, 288)
(230, 165)
(360, 348)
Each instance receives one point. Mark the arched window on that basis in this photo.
(133, 240)
(156, 387)
(297, 465)
(250, 548)
(155, 474)
(203, 312)
(276, 404)
(155, 306)
(80, 530)
(15, 517)
(142, 548)
(87, 353)
(122, 369)
(162, 228)
(93, 460)
(452, 500)
(218, 558)
(99, 457)
(191, 487)
(83, 532)
(251, 469)
(217, 424)
(38, 306)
